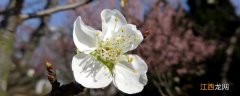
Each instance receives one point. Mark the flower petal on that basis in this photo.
(89, 72)
(132, 37)
(136, 37)
(84, 36)
(130, 77)
(112, 20)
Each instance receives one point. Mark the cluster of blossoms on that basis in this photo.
(102, 55)
(169, 42)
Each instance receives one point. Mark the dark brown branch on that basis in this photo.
(54, 10)
(229, 53)
(11, 13)
(70, 89)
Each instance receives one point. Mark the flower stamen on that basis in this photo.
(107, 54)
(116, 20)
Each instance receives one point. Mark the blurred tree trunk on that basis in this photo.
(6, 39)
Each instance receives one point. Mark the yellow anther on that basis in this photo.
(122, 30)
(130, 59)
(116, 19)
(97, 33)
(135, 71)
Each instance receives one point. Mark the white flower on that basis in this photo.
(102, 57)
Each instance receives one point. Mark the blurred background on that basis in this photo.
(188, 43)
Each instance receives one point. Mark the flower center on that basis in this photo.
(106, 54)
(109, 50)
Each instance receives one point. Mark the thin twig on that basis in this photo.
(70, 89)
(54, 10)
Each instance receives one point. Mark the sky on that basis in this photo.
(236, 4)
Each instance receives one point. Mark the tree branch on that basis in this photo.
(11, 13)
(70, 89)
(54, 10)
(229, 53)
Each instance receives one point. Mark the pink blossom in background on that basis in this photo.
(168, 42)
